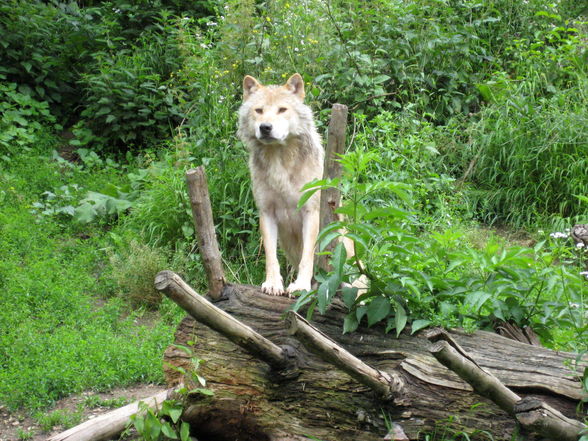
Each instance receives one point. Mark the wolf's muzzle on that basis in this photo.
(265, 129)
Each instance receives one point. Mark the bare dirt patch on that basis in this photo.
(87, 405)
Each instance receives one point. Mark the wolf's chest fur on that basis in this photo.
(279, 173)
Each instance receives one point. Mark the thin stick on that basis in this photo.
(387, 386)
(215, 318)
(203, 221)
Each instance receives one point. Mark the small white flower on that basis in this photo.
(580, 245)
(211, 23)
(559, 235)
(584, 273)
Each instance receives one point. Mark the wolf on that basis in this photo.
(285, 153)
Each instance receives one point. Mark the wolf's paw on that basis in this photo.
(298, 285)
(273, 287)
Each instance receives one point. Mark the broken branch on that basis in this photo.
(206, 313)
(534, 415)
(386, 385)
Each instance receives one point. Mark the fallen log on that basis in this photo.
(253, 402)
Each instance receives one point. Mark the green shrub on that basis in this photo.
(434, 277)
(425, 56)
(129, 99)
(162, 212)
(24, 121)
(43, 47)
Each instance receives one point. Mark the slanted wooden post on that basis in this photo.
(207, 243)
(331, 198)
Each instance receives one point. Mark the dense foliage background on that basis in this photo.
(468, 119)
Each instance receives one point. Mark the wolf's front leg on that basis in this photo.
(273, 284)
(310, 230)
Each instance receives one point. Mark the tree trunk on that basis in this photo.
(296, 395)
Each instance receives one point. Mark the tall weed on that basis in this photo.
(529, 158)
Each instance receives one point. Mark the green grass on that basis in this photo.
(530, 159)
(60, 333)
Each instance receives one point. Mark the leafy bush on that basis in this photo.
(432, 278)
(162, 212)
(129, 99)
(24, 121)
(426, 56)
(44, 46)
(134, 271)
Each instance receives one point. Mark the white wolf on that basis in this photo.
(285, 153)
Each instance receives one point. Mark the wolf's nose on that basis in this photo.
(265, 129)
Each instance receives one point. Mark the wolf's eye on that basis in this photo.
(259, 110)
(282, 110)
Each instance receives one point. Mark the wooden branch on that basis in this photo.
(109, 425)
(206, 313)
(483, 382)
(534, 415)
(331, 197)
(539, 417)
(204, 224)
(387, 386)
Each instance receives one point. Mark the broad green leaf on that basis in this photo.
(400, 319)
(139, 423)
(202, 391)
(350, 323)
(168, 431)
(185, 431)
(328, 238)
(477, 299)
(175, 413)
(338, 259)
(378, 309)
(85, 214)
(349, 294)
(306, 196)
(417, 325)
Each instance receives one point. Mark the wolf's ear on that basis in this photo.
(296, 85)
(250, 85)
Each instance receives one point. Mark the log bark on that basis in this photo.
(322, 401)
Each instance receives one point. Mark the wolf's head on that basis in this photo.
(272, 114)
